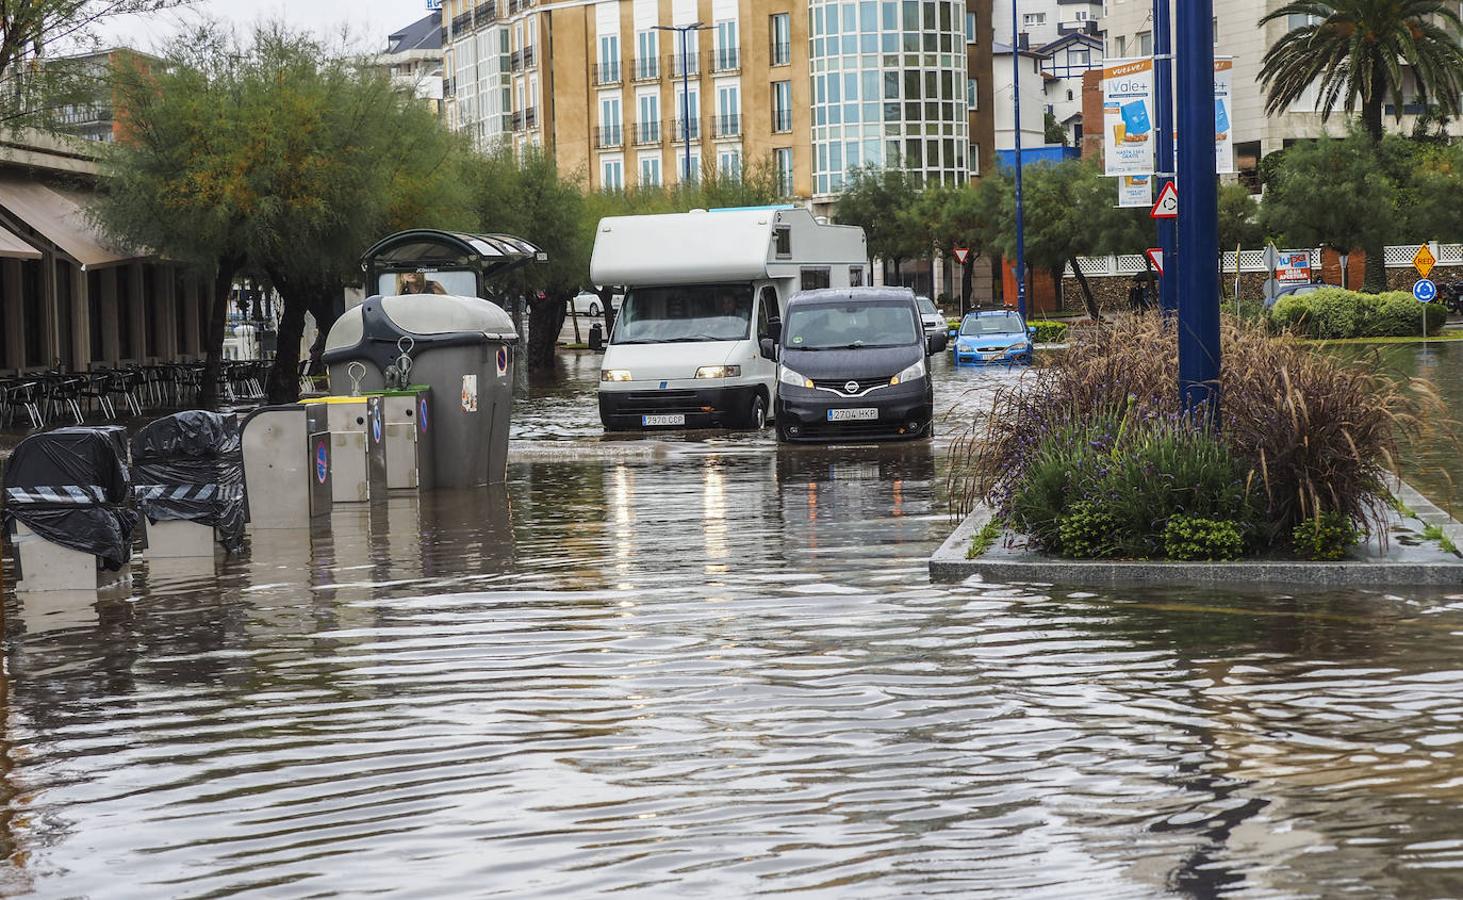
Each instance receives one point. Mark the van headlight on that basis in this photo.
(719, 372)
(788, 376)
(913, 373)
(614, 375)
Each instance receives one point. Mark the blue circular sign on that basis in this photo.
(322, 462)
(422, 416)
(1425, 290)
(375, 429)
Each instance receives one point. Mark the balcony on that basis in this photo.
(517, 6)
(515, 121)
(727, 126)
(530, 117)
(462, 23)
(609, 137)
(781, 54)
(519, 60)
(647, 133)
(781, 121)
(485, 13)
(693, 65)
(647, 69)
(678, 130)
(607, 73)
(726, 59)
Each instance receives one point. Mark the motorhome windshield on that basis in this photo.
(851, 326)
(685, 314)
(1010, 323)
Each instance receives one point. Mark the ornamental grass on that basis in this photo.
(1314, 435)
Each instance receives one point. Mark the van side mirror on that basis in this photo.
(937, 343)
(769, 349)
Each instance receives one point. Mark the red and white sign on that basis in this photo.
(962, 254)
(1167, 206)
(1294, 267)
(1155, 256)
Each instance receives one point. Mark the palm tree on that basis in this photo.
(1358, 51)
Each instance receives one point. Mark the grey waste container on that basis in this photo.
(409, 421)
(287, 465)
(357, 447)
(463, 348)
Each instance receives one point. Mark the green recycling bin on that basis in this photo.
(408, 416)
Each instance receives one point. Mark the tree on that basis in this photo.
(1331, 193)
(30, 30)
(950, 216)
(878, 199)
(1053, 132)
(1362, 54)
(1239, 218)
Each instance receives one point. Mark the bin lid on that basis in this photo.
(335, 401)
(74, 465)
(425, 315)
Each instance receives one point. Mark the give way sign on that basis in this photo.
(1167, 206)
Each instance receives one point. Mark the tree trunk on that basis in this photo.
(283, 385)
(967, 281)
(545, 321)
(1088, 301)
(218, 317)
(1371, 117)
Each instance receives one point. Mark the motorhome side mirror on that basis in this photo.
(938, 343)
(768, 348)
(774, 329)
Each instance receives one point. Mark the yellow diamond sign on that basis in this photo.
(1424, 260)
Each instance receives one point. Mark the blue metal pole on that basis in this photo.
(1198, 231)
(1020, 211)
(1163, 101)
(686, 101)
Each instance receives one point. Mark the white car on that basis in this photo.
(931, 317)
(588, 304)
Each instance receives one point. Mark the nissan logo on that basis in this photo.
(851, 387)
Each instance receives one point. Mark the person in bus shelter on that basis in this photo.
(417, 283)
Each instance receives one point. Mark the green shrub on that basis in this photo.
(1333, 314)
(1086, 531)
(1328, 536)
(1048, 332)
(1198, 538)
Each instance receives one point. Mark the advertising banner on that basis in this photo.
(1135, 191)
(1223, 106)
(1128, 117)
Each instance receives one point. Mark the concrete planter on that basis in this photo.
(1407, 560)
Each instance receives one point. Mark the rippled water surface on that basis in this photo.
(718, 672)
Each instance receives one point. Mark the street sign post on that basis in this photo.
(1425, 290)
(1155, 256)
(1198, 232)
(1167, 206)
(962, 254)
(1424, 261)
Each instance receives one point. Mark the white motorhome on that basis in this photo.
(702, 289)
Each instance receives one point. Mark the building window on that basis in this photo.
(1119, 47)
(972, 94)
(781, 29)
(728, 111)
(782, 158)
(781, 106)
(971, 22)
(610, 122)
(690, 168)
(609, 59)
(647, 55)
(650, 171)
(612, 175)
(1079, 58)
(729, 163)
(1145, 43)
(974, 160)
(648, 122)
(1031, 19)
(726, 47)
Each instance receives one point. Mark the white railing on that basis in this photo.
(1254, 260)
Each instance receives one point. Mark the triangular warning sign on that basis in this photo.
(962, 254)
(1167, 206)
(1155, 256)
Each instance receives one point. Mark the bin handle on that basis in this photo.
(400, 371)
(356, 371)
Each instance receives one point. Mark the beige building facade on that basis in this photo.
(808, 89)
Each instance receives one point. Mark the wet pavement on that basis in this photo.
(719, 672)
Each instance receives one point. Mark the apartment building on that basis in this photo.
(1127, 29)
(1044, 21)
(413, 59)
(810, 88)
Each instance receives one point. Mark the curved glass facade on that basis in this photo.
(888, 88)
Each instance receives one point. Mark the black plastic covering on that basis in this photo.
(190, 468)
(71, 486)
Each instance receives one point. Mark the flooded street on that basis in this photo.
(719, 672)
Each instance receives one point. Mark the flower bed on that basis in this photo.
(1092, 458)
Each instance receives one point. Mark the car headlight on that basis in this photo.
(1019, 346)
(719, 372)
(614, 375)
(788, 376)
(913, 373)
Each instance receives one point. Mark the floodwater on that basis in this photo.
(719, 672)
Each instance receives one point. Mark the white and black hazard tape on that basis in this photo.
(196, 492)
(57, 495)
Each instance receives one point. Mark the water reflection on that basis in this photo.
(721, 673)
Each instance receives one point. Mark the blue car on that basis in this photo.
(995, 337)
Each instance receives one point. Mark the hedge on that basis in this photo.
(1332, 313)
(1048, 332)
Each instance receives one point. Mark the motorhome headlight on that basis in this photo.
(719, 372)
(913, 373)
(614, 375)
(788, 376)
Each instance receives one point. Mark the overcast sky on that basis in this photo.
(370, 21)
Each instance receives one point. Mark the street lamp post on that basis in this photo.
(1198, 228)
(1020, 210)
(1163, 103)
(685, 31)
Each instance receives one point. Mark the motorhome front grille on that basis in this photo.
(653, 402)
(841, 385)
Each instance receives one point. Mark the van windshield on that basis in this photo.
(1010, 323)
(685, 314)
(851, 326)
